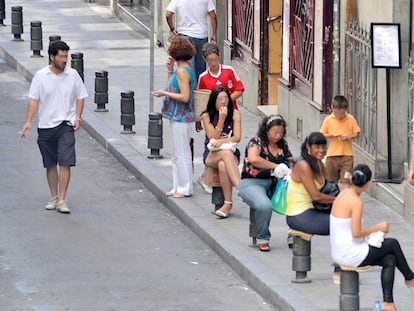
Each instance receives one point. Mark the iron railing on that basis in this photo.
(361, 86)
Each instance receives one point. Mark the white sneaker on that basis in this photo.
(62, 207)
(51, 205)
(203, 185)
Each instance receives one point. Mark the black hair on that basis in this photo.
(314, 138)
(56, 46)
(267, 123)
(361, 175)
(211, 105)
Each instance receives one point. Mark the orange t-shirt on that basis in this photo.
(347, 126)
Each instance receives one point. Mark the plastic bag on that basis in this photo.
(279, 198)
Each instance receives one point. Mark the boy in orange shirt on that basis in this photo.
(340, 128)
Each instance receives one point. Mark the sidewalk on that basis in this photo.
(110, 45)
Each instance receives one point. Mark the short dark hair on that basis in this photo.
(56, 46)
(210, 48)
(340, 102)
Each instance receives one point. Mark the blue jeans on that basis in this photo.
(253, 191)
(197, 62)
(310, 221)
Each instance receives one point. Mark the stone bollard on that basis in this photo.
(77, 63)
(101, 90)
(2, 12)
(301, 260)
(155, 135)
(127, 111)
(36, 38)
(17, 22)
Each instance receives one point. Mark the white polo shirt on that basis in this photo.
(57, 95)
(192, 16)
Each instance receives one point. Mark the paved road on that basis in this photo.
(120, 249)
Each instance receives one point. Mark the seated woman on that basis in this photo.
(222, 125)
(306, 179)
(348, 246)
(266, 154)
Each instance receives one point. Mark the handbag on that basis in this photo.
(279, 198)
(330, 188)
(225, 146)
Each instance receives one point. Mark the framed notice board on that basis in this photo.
(385, 45)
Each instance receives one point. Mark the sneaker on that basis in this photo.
(62, 207)
(51, 205)
(203, 185)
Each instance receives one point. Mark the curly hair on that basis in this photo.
(181, 49)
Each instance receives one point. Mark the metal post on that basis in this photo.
(77, 63)
(127, 111)
(2, 12)
(155, 135)
(17, 22)
(36, 38)
(151, 98)
(101, 90)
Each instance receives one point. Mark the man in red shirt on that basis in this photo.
(219, 74)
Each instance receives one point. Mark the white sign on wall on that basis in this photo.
(386, 45)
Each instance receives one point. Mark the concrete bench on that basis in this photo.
(349, 287)
(301, 259)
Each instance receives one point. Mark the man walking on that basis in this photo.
(192, 24)
(57, 93)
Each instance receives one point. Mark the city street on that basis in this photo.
(120, 248)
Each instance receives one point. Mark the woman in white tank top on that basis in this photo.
(347, 236)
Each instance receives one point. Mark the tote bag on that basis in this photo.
(279, 198)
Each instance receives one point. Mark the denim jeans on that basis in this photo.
(197, 62)
(253, 191)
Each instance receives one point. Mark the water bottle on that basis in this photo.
(377, 306)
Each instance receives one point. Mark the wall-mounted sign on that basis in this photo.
(385, 45)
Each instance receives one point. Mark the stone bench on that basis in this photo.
(349, 287)
(301, 259)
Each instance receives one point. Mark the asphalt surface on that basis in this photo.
(110, 45)
(120, 249)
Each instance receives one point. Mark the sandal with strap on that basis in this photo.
(219, 213)
(264, 247)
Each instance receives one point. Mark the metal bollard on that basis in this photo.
(101, 90)
(36, 38)
(2, 12)
(17, 22)
(349, 291)
(127, 111)
(77, 63)
(217, 197)
(301, 260)
(155, 135)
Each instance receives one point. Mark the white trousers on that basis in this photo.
(182, 166)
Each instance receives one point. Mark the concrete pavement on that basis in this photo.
(108, 44)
